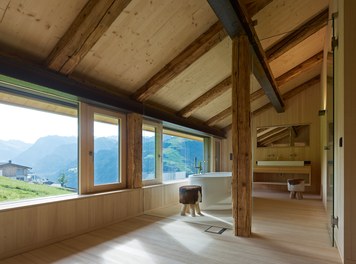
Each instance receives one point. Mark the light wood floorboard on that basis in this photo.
(284, 231)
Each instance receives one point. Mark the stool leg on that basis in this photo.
(183, 210)
(187, 209)
(197, 208)
(299, 195)
(192, 209)
(292, 195)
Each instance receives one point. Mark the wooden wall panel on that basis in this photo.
(158, 196)
(30, 227)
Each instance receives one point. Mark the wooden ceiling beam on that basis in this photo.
(298, 35)
(20, 73)
(290, 94)
(293, 73)
(91, 23)
(206, 98)
(220, 116)
(214, 35)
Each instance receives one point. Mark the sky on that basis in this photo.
(27, 125)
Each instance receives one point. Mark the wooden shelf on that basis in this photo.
(278, 175)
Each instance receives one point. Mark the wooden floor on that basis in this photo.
(284, 231)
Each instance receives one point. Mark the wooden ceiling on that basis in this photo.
(171, 55)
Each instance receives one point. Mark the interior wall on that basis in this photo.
(33, 226)
(301, 109)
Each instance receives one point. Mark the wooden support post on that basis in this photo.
(134, 151)
(241, 137)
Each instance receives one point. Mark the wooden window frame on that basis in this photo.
(86, 147)
(158, 159)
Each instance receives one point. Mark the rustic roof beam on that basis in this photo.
(206, 98)
(214, 35)
(298, 35)
(91, 23)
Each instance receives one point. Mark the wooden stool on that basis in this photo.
(296, 188)
(190, 196)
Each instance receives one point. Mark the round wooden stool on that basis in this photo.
(296, 188)
(190, 196)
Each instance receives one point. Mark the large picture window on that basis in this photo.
(183, 155)
(38, 147)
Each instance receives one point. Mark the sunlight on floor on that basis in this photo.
(194, 244)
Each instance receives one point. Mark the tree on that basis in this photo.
(63, 179)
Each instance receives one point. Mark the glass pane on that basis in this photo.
(38, 149)
(217, 156)
(106, 149)
(181, 157)
(148, 155)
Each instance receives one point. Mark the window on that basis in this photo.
(102, 151)
(183, 155)
(38, 147)
(151, 153)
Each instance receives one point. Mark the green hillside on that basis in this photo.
(11, 190)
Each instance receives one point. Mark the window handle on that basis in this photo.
(91, 154)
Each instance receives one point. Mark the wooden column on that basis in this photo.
(241, 137)
(134, 151)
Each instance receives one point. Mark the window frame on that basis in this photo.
(182, 134)
(86, 149)
(158, 155)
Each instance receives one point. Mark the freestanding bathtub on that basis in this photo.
(216, 189)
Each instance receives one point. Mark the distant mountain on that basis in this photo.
(42, 148)
(12, 148)
(52, 156)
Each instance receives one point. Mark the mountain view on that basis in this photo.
(54, 157)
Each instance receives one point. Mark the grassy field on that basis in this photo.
(11, 190)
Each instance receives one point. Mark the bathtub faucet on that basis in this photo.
(199, 167)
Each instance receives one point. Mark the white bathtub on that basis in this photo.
(216, 189)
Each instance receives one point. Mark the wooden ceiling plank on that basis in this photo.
(222, 115)
(254, 7)
(214, 35)
(290, 94)
(293, 73)
(298, 35)
(91, 23)
(206, 98)
(300, 69)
